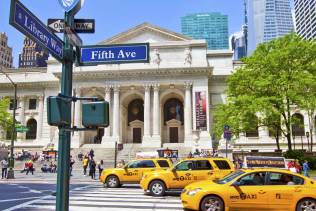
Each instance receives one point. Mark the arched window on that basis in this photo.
(298, 125)
(254, 123)
(173, 109)
(136, 110)
(32, 126)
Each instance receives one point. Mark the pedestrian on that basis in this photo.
(91, 154)
(190, 155)
(305, 168)
(4, 168)
(85, 163)
(100, 167)
(30, 167)
(72, 162)
(92, 168)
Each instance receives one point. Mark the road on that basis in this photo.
(35, 193)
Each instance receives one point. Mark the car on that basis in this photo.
(252, 189)
(132, 172)
(185, 172)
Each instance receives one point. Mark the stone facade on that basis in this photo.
(152, 105)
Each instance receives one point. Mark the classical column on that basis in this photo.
(78, 109)
(107, 98)
(156, 111)
(40, 117)
(77, 139)
(147, 111)
(188, 111)
(116, 112)
(21, 115)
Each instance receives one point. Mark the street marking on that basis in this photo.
(19, 199)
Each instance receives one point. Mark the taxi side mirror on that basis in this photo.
(236, 184)
(125, 167)
(173, 169)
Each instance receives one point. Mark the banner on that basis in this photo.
(200, 110)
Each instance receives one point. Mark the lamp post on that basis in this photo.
(11, 159)
(307, 137)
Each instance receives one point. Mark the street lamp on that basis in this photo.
(307, 136)
(11, 159)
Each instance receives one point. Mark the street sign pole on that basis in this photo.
(62, 196)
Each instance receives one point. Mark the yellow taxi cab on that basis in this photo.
(253, 189)
(132, 172)
(185, 172)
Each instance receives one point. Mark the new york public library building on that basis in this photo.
(152, 105)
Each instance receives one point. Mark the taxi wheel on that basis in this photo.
(212, 203)
(306, 205)
(112, 182)
(157, 188)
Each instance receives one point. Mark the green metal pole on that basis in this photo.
(13, 137)
(63, 176)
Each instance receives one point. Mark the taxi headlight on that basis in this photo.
(193, 192)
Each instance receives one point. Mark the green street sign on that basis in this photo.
(22, 129)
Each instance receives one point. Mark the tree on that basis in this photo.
(271, 81)
(5, 117)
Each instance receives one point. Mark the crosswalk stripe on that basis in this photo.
(97, 198)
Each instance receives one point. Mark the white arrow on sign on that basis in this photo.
(57, 26)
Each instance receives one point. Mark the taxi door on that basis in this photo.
(282, 190)
(143, 167)
(131, 172)
(249, 193)
(182, 174)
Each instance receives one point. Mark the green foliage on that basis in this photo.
(278, 75)
(294, 154)
(5, 116)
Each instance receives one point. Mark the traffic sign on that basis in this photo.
(22, 129)
(113, 54)
(81, 25)
(74, 39)
(27, 23)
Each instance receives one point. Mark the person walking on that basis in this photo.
(30, 167)
(92, 168)
(100, 167)
(4, 168)
(72, 162)
(305, 168)
(85, 163)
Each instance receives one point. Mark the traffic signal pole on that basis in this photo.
(63, 176)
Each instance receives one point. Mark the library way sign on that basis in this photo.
(26, 22)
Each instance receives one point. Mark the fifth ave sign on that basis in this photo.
(114, 54)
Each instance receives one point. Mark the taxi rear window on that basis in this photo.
(163, 163)
(222, 164)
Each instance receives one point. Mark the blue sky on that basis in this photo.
(115, 16)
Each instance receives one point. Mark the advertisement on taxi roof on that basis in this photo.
(261, 162)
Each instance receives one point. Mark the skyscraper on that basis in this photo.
(213, 27)
(32, 55)
(305, 18)
(267, 20)
(239, 40)
(6, 58)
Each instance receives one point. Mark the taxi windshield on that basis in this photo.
(230, 177)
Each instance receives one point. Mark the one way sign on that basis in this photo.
(81, 25)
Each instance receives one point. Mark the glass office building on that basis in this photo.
(305, 18)
(213, 27)
(267, 20)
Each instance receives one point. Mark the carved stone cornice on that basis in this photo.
(141, 73)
